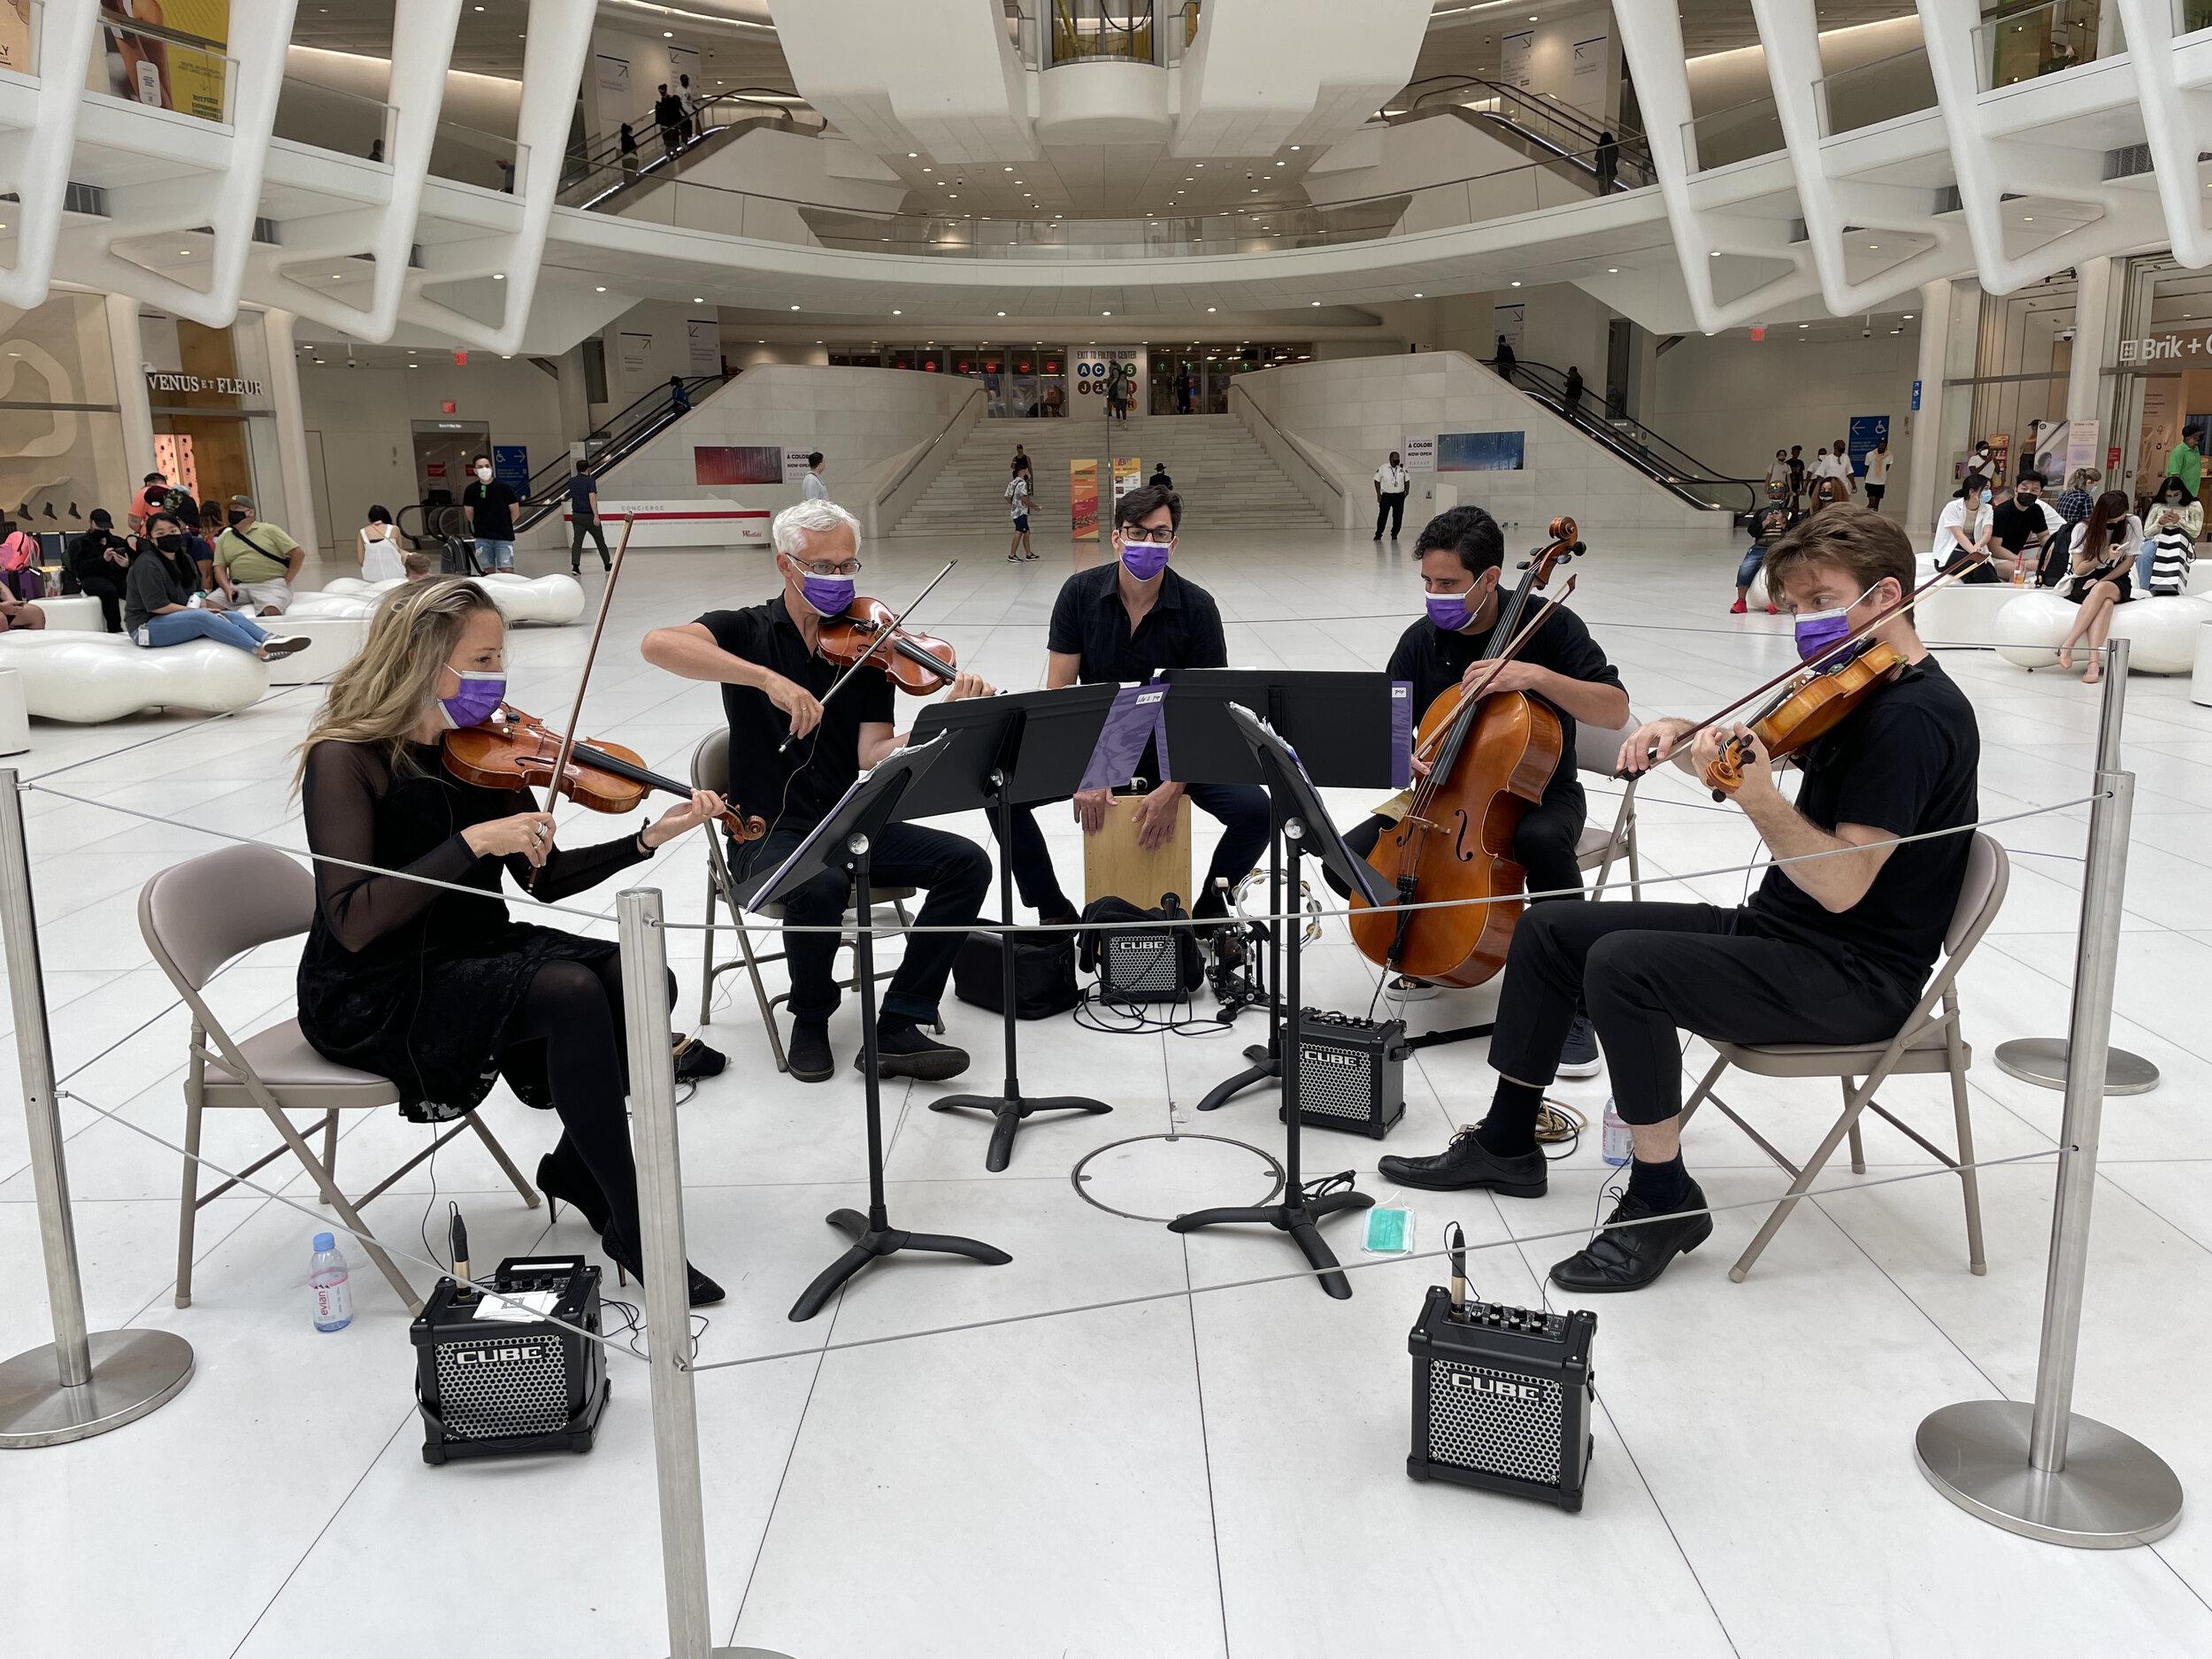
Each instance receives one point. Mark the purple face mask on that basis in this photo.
(476, 702)
(1449, 611)
(832, 595)
(1144, 560)
(1817, 630)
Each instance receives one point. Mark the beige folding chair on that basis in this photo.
(711, 770)
(1929, 1041)
(1598, 750)
(195, 917)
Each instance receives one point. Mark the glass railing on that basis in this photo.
(2192, 15)
(1084, 31)
(1876, 92)
(466, 155)
(162, 68)
(344, 122)
(2042, 41)
(1479, 200)
(22, 28)
(1737, 132)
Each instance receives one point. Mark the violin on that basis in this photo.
(514, 750)
(869, 629)
(1493, 756)
(1815, 703)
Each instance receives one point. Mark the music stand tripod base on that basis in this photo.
(2115, 1491)
(133, 1372)
(2042, 1061)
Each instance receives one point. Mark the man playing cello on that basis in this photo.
(1462, 555)
(1831, 950)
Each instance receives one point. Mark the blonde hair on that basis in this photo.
(380, 695)
(417, 565)
(2084, 478)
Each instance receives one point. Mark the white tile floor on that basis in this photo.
(1221, 1474)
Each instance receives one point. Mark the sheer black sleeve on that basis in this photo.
(339, 791)
(570, 870)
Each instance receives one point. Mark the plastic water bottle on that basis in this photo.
(327, 1277)
(1616, 1143)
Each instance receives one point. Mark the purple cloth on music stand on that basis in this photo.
(1137, 717)
(1401, 727)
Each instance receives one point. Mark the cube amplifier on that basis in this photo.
(1502, 1398)
(491, 1386)
(1351, 1072)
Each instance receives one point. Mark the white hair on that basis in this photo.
(792, 526)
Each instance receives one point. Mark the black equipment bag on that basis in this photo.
(1044, 973)
(1134, 965)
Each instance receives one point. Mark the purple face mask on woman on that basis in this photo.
(476, 702)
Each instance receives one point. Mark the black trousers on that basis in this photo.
(578, 529)
(1648, 970)
(1240, 809)
(1544, 844)
(955, 871)
(1390, 509)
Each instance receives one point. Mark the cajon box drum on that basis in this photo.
(1115, 867)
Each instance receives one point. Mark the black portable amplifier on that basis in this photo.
(1141, 967)
(1351, 1072)
(490, 1386)
(1502, 1398)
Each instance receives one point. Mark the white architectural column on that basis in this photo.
(291, 427)
(2093, 333)
(127, 342)
(1927, 421)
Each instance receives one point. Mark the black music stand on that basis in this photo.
(844, 841)
(1300, 818)
(1353, 729)
(1009, 751)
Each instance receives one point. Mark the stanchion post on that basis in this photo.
(81, 1384)
(2037, 1470)
(660, 1185)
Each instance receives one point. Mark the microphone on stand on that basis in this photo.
(457, 1238)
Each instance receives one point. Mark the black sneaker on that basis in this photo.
(695, 1060)
(1629, 1258)
(1578, 1056)
(1465, 1164)
(909, 1051)
(288, 645)
(807, 1055)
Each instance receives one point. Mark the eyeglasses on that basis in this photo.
(823, 567)
(1157, 536)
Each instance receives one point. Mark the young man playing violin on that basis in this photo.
(1834, 949)
(1462, 555)
(775, 680)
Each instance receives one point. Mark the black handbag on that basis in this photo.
(1044, 973)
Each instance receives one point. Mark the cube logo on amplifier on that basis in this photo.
(1351, 1072)
(1502, 1398)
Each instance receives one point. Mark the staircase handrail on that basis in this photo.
(962, 420)
(1296, 448)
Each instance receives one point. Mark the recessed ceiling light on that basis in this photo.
(1612, 270)
(497, 276)
(188, 250)
(1872, 247)
(1105, 313)
(898, 313)
(2027, 219)
(1010, 170)
(1416, 296)
(1294, 146)
(599, 291)
(1001, 313)
(698, 299)
(1908, 316)
(670, 34)
(1209, 311)
(915, 155)
(795, 308)
(1804, 324)
(1515, 285)
(1316, 302)
(1715, 254)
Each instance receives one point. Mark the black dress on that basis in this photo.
(415, 983)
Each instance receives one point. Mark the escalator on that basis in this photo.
(1673, 469)
(1543, 128)
(612, 443)
(593, 176)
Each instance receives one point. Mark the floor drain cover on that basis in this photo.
(1157, 1178)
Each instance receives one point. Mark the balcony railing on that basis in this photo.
(1876, 92)
(344, 122)
(1737, 132)
(467, 154)
(2042, 40)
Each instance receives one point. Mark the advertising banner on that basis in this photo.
(1083, 499)
(794, 466)
(1418, 454)
(1479, 451)
(637, 352)
(1088, 372)
(161, 70)
(703, 335)
(738, 464)
(1585, 77)
(1514, 51)
(1128, 473)
(15, 37)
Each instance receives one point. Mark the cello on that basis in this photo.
(1493, 758)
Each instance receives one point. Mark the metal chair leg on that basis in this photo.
(706, 962)
(1703, 1089)
(1806, 1175)
(330, 1143)
(336, 1200)
(760, 994)
(1969, 1177)
(1858, 1148)
(188, 1202)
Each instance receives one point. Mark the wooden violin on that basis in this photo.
(1493, 758)
(514, 750)
(869, 629)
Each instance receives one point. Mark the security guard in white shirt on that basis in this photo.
(1392, 485)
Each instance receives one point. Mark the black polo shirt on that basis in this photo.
(1182, 630)
(1434, 661)
(796, 789)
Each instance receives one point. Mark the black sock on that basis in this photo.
(1509, 1130)
(1663, 1186)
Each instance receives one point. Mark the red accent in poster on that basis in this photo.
(448, 408)
(2112, 458)
(462, 359)
(1759, 333)
(736, 464)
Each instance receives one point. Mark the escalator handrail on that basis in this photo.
(1633, 149)
(609, 152)
(1639, 449)
(612, 452)
(1554, 108)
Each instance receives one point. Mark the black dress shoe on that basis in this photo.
(695, 1060)
(1629, 1258)
(909, 1051)
(1465, 1164)
(563, 1183)
(628, 1261)
(808, 1053)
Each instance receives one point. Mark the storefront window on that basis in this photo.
(61, 435)
(2165, 335)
